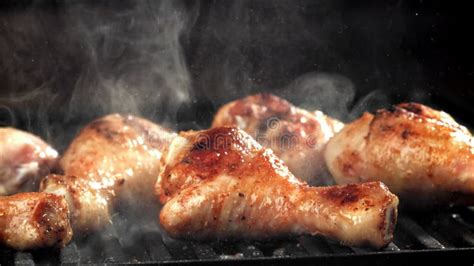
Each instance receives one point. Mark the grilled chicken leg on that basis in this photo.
(423, 155)
(34, 220)
(113, 160)
(24, 158)
(221, 183)
(295, 135)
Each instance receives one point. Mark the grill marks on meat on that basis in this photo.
(421, 154)
(241, 190)
(34, 220)
(113, 160)
(295, 135)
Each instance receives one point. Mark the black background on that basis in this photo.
(394, 50)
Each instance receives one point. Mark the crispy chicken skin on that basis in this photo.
(34, 220)
(295, 135)
(24, 158)
(421, 154)
(221, 183)
(113, 160)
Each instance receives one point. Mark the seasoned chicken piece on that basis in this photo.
(221, 183)
(295, 135)
(24, 158)
(34, 220)
(114, 160)
(421, 154)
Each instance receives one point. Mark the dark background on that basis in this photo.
(61, 63)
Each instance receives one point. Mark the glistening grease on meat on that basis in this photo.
(24, 158)
(34, 220)
(221, 183)
(113, 160)
(421, 154)
(295, 135)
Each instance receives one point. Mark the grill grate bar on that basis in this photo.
(433, 231)
(419, 234)
(461, 219)
(181, 250)
(467, 215)
(100, 248)
(113, 251)
(144, 242)
(130, 238)
(456, 232)
(136, 251)
(155, 247)
(403, 239)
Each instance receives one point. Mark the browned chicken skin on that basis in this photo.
(34, 220)
(114, 159)
(295, 135)
(221, 183)
(24, 158)
(421, 154)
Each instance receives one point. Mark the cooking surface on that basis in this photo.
(447, 233)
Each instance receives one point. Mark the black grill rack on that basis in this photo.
(427, 235)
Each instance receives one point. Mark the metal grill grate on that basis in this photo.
(420, 233)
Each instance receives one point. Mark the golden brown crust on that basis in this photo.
(295, 135)
(113, 160)
(259, 108)
(34, 220)
(216, 151)
(220, 183)
(422, 154)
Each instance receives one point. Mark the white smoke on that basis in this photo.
(135, 62)
(331, 93)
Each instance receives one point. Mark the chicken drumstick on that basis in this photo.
(296, 136)
(114, 159)
(221, 183)
(423, 155)
(34, 220)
